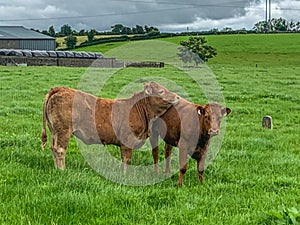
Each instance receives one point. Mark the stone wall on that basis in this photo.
(145, 64)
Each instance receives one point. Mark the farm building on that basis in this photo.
(19, 37)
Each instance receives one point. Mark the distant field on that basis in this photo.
(254, 49)
(253, 180)
(62, 44)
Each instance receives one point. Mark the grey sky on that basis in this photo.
(168, 15)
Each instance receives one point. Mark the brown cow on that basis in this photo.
(189, 127)
(121, 122)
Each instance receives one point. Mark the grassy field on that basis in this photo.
(62, 43)
(253, 49)
(255, 179)
(80, 39)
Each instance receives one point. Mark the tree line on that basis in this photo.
(139, 32)
(138, 29)
(277, 25)
(117, 29)
(274, 25)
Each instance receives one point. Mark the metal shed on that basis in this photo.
(19, 37)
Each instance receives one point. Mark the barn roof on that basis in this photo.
(20, 32)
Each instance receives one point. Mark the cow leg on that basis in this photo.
(155, 151)
(201, 165)
(168, 152)
(126, 154)
(182, 165)
(58, 146)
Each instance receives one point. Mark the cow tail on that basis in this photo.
(44, 129)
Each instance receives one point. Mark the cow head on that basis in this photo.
(161, 93)
(210, 117)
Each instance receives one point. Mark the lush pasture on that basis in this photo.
(255, 178)
(80, 39)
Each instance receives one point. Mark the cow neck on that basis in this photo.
(142, 109)
(204, 139)
(141, 104)
(204, 136)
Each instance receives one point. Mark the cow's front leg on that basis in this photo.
(201, 165)
(182, 165)
(126, 154)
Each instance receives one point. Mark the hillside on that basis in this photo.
(247, 49)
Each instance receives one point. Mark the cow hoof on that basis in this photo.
(179, 185)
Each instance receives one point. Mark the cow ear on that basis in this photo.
(147, 88)
(226, 111)
(200, 110)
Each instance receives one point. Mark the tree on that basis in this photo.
(117, 29)
(274, 25)
(51, 31)
(139, 29)
(214, 31)
(149, 29)
(196, 49)
(126, 30)
(82, 32)
(71, 42)
(45, 32)
(261, 27)
(91, 34)
(297, 26)
(279, 24)
(155, 29)
(153, 33)
(66, 30)
(227, 30)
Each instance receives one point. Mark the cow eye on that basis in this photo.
(161, 92)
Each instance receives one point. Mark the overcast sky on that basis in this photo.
(167, 15)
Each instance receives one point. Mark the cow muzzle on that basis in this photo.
(213, 132)
(175, 100)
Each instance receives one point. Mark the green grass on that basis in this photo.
(253, 180)
(104, 47)
(252, 50)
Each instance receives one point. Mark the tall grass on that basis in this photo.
(253, 180)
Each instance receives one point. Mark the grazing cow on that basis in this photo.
(189, 127)
(121, 122)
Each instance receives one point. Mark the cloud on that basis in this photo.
(254, 12)
(168, 15)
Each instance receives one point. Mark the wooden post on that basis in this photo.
(267, 122)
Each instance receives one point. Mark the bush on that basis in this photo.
(71, 42)
(151, 35)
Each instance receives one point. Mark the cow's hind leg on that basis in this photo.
(155, 151)
(168, 152)
(59, 146)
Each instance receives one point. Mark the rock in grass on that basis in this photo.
(267, 122)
